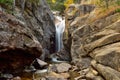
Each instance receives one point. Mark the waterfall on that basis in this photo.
(60, 27)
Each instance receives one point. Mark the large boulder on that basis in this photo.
(108, 55)
(107, 72)
(18, 46)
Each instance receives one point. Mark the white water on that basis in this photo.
(57, 61)
(60, 27)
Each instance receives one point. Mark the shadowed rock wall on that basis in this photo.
(27, 34)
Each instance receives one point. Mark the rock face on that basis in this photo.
(18, 45)
(25, 36)
(107, 72)
(74, 19)
(96, 37)
(39, 19)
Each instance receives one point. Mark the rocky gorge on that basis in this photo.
(91, 42)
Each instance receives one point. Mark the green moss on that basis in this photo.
(7, 5)
(6, 2)
(117, 10)
(118, 2)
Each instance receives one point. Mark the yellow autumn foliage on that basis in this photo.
(53, 1)
(97, 2)
(68, 2)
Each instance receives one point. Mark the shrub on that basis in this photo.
(118, 10)
(57, 5)
(6, 2)
(68, 2)
(118, 2)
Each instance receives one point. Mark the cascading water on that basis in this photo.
(60, 27)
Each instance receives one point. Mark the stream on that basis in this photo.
(51, 69)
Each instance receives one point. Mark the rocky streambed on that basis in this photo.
(25, 35)
(54, 71)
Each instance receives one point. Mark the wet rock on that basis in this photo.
(63, 67)
(40, 74)
(29, 69)
(52, 68)
(54, 78)
(41, 71)
(6, 76)
(62, 55)
(39, 64)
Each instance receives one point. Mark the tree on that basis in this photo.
(68, 2)
(6, 3)
(118, 2)
(53, 1)
(77, 1)
(57, 5)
